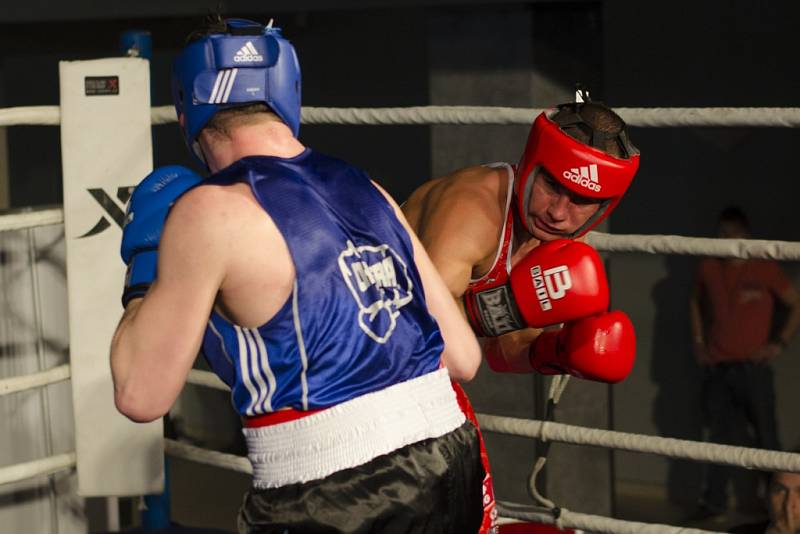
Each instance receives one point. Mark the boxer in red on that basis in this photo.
(504, 238)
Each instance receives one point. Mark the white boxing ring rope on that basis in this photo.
(745, 457)
(551, 431)
(593, 523)
(56, 374)
(42, 466)
(652, 244)
(36, 468)
(696, 246)
(426, 115)
(31, 218)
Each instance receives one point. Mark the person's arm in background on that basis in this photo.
(790, 297)
(696, 322)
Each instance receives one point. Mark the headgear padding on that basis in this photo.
(583, 169)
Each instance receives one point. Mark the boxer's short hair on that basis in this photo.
(212, 24)
(249, 114)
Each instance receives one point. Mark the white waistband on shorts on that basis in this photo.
(353, 432)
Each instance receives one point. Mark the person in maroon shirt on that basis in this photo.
(732, 342)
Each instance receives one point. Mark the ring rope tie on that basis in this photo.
(558, 384)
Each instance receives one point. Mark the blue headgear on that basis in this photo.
(250, 63)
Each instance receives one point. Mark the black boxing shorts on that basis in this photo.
(434, 486)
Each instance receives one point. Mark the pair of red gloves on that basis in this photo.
(560, 281)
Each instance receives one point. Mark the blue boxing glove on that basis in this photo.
(147, 210)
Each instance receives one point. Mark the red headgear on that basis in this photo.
(584, 169)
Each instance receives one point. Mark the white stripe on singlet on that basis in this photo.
(257, 372)
(264, 359)
(301, 345)
(244, 371)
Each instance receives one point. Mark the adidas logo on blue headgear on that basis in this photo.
(248, 64)
(247, 54)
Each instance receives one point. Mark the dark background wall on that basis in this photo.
(696, 54)
(359, 67)
(632, 54)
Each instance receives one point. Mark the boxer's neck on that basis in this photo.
(521, 235)
(263, 139)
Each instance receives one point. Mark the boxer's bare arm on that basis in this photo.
(160, 335)
(462, 355)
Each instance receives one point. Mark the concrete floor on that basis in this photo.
(205, 496)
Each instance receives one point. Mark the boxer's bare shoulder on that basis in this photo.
(458, 218)
(463, 190)
(258, 281)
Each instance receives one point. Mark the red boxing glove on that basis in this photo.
(600, 348)
(555, 282)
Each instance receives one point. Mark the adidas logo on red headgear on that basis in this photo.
(584, 176)
(247, 54)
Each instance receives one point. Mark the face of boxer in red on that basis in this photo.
(555, 212)
(564, 187)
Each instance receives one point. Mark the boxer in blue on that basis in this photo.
(302, 283)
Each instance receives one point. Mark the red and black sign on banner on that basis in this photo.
(101, 85)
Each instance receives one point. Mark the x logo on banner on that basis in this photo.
(114, 210)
